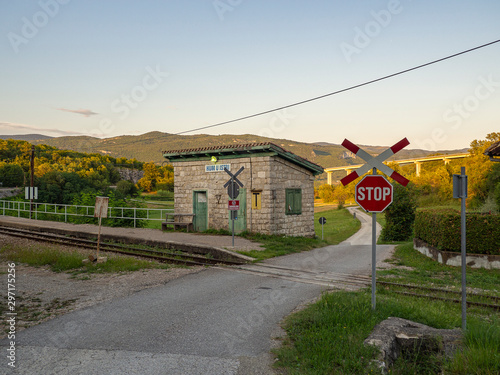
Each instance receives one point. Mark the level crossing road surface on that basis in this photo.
(217, 321)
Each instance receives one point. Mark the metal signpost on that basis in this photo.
(100, 211)
(460, 191)
(374, 193)
(233, 190)
(322, 221)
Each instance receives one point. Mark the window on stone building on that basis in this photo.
(256, 200)
(293, 201)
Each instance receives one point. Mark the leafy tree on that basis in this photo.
(151, 175)
(342, 193)
(126, 188)
(478, 167)
(326, 193)
(88, 199)
(11, 175)
(493, 186)
(400, 215)
(156, 177)
(62, 187)
(166, 179)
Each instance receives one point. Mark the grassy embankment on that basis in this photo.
(71, 261)
(339, 226)
(327, 337)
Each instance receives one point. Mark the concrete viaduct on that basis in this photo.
(417, 161)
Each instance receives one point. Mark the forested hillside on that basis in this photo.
(65, 176)
(61, 175)
(148, 147)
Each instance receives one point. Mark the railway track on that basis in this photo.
(166, 256)
(334, 280)
(442, 294)
(330, 280)
(326, 279)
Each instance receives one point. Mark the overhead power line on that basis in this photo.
(342, 90)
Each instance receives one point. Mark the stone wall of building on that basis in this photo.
(287, 175)
(270, 175)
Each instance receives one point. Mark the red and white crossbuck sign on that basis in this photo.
(375, 162)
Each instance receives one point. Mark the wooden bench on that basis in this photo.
(178, 221)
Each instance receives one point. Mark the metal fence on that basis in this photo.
(22, 209)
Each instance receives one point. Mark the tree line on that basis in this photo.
(67, 177)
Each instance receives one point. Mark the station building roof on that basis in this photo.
(241, 151)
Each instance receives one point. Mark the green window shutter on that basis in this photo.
(297, 200)
(293, 201)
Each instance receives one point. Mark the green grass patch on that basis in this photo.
(427, 272)
(327, 337)
(340, 225)
(65, 261)
(279, 245)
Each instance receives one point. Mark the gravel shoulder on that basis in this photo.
(42, 294)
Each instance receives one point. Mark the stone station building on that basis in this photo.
(277, 196)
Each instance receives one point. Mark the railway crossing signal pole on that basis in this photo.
(374, 193)
(233, 190)
(374, 254)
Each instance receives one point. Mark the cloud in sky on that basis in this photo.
(7, 126)
(83, 112)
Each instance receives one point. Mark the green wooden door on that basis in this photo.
(200, 211)
(241, 223)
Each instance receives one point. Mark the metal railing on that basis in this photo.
(18, 208)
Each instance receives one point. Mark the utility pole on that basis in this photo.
(32, 180)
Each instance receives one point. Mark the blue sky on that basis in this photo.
(109, 68)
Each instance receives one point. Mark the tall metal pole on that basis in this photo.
(32, 180)
(232, 211)
(463, 181)
(374, 253)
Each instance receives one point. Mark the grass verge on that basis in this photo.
(327, 337)
(71, 261)
(423, 271)
(339, 226)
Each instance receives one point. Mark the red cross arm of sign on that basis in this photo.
(375, 162)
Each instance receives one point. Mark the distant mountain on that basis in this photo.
(26, 137)
(148, 147)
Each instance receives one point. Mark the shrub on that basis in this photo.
(325, 192)
(441, 229)
(399, 216)
(126, 188)
(11, 175)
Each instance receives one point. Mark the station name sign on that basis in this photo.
(217, 167)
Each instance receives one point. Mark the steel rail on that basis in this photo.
(330, 279)
(438, 290)
(469, 303)
(163, 256)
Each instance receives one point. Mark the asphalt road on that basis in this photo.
(218, 321)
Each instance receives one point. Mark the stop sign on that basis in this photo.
(373, 193)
